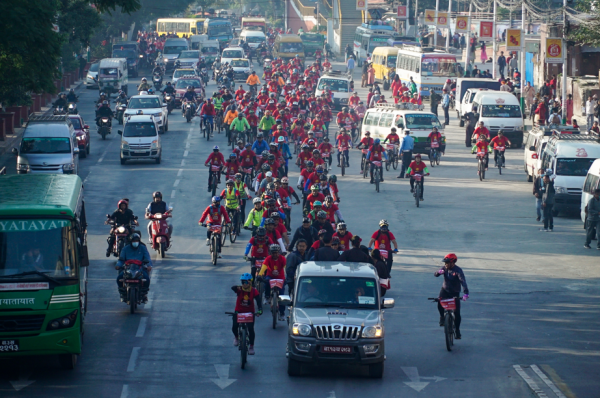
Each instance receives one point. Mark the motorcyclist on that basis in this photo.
(158, 70)
(122, 98)
(454, 279)
(135, 251)
(104, 111)
(71, 97)
(61, 101)
(101, 99)
(169, 89)
(144, 86)
(157, 206)
(123, 216)
(189, 96)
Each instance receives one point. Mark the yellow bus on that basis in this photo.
(180, 26)
(384, 62)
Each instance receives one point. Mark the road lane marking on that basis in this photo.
(223, 372)
(155, 276)
(176, 183)
(23, 381)
(173, 194)
(180, 172)
(148, 305)
(546, 380)
(133, 358)
(415, 381)
(188, 144)
(532, 384)
(185, 153)
(125, 391)
(142, 328)
(88, 176)
(182, 162)
(558, 381)
(102, 156)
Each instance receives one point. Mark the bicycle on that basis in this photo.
(500, 161)
(275, 284)
(215, 242)
(418, 188)
(243, 335)
(392, 156)
(377, 173)
(233, 231)
(364, 163)
(214, 178)
(219, 122)
(434, 154)
(207, 128)
(343, 158)
(481, 165)
(449, 306)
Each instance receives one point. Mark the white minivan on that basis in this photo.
(340, 84)
(536, 141)
(589, 186)
(500, 110)
(253, 37)
(569, 156)
(140, 139)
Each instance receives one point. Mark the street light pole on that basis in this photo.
(522, 66)
(494, 44)
(435, 35)
(468, 55)
(563, 83)
(448, 26)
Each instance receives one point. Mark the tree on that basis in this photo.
(588, 32)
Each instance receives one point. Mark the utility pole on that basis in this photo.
(468, 56)
(563, 83)
(448, 26)
(407, 22)
(522, 66)
(494, 44)
(435, 35)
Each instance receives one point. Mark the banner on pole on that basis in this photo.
(361, 5)
(430, 17)
(554, 51)
(486, 30)
(461, 24)
(514, 39)
(442, 19)
(402, 12)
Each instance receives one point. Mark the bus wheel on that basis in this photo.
(68, 361)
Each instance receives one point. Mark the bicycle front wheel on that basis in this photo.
(481, 170)
(417, 193)
(449, 331)
(243, 336)
(224, 233)
(395, 162)
(432, 158)
(274, 305)
(214, 249)
(438, 157)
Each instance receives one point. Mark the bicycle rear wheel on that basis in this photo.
(480, 167)
(387, 164)
(395, 162)
(274, 306)
(243, 346)
(449, 331)
(365, 169)
(376, 178)
(432, 158)
(224, 233)
(214, 248)
(343, 164)
(438, 157)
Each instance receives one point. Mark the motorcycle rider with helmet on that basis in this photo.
(104, 111)
(157, 206)
(122, 216)
(71, 97)
(189, 96)
(169, 89)
(144, 86)
(61, 101)
(136, 250)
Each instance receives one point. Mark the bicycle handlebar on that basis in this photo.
(437, 299)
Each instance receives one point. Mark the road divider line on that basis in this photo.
(180, 172)
(148, 305)
(188, 144)
(546, 380)
(173, 194)
(185, 153)
(125, 391)
(154, 276)
(532, 384)
(133, 359)
(142, 327)
(182, 162)
(558, 381)
(176, 183)
(102, 156)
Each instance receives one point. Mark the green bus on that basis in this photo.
(43, 266)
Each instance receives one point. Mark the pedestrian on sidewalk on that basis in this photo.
(434, 100)
(365, 74)
(483, 55)
(590, 109)
(350, 65)
(348, 51)
(593, 220)
(406, 150)
(538, 182)
(529, 93)
(548, 201)
(514, 64)
(501, 63)
(370, 75)
(569, 108)
(463, 42)
(446, 107)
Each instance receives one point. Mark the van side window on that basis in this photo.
(386, 120)
(372, 119)
(399, 122)
(591, 183)
(545, 160)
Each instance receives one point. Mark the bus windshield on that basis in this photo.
(335, 85)
(501, 111)
(422, 121)
(290, 47)
(50, 251)
(219, 30)
(438, 67)
(573, 167)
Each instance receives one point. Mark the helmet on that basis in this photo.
(329, 198)
(448, 81)
(229, 182)
(232, 155)
(275, 248)
(333, 178)
(310, 163)
(264, 154)
(157, 194)
(246, 277)
(281, 139)
(271, 201)
(144, 79)
(121, 202)
(316, 151)
(270, 186)
(269, 221)
(216, 199)
(418, 155)
(450, 258)
(384, 223)
(376, 141)
(322, 177)
(345, 109)
(341, 225)
(285, 180)
(105, 103)
(271, 156)
(255, 201)
(135, 236)
(261, 231)
(275, 215)
(238, 176)
(321, 214)
(216, 148)
(314, 188)
(317, 203)
(266, 167)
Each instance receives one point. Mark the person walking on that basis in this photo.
(483, 55)
(364, 74)
(593, 220)
(350, 65)
(538, 183)
(446, 106)
(434, 101)
(590, 109)
(514, 64)
(371, 75)
(529, 93)
(348, 51)
(501, 64)
(548, 201)
(406, 150)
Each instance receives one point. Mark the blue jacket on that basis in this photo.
(130, 253)
(258, 149)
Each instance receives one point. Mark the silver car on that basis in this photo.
(336, 317)
(91, 79)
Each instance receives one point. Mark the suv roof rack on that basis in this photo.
(404, 106)
(41, 118)
(557, 136)
(334, 73)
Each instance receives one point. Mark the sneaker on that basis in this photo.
(207, 242)
(236, 342)
(543, 230)
(597, 247)
(588, 247)
(381, 180)
(412, 190)
(281, 317)
(550, 230)
(441, 321)
(400, 177)
(107, 252)
(537, 219)
(251, 350)
(457, 335)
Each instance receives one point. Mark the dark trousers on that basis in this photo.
(412, 184)
(250, 326)
(446, 295)
(590, 225)
(548, 219)
(446, 114)
(406, 159)
(434, 109)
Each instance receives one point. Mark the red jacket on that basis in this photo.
(214, 215)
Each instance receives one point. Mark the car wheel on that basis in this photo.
(158, 159)
(123, 161)
(167, 126)
(294, 367)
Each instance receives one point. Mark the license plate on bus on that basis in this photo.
(336, 349)
(9, 345)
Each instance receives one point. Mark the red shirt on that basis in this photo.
(245, 300)
(260, 249)
(312, 198)
(383, 240)
(482, 130)
(354, 100)
(304, 157)
(367, 142)
(213, 215)
(417, 168)
(344, 140)
(275, 268)
(247, 157)
(231, 168)
(252, 119)
(216, 159)
(497, 141)
(393, 138)
(325, 147)
(208, 109)
(280, 227)
(376, 153)
(435, 136)
(344, 240)
(331, 212)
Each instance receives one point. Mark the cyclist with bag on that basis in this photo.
(417, 167)
(244, 304)
(274, 268)
(500, 141)
(454, 278)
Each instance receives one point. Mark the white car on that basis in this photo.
(145, 104)
(91, 80)
(140, 139)
(241, 69)
(188, 59)
(340, 84)
(231, 53)
(182, 72)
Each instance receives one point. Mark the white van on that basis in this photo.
(140, 139)
(379, 121)
(470, 83)
(112, 75)
(340, 84)
(210, 50)
(196, 41)
(466, 104)
(569, 156)
(500, 110)
(253, 37)
(535, 144)
(589, 186)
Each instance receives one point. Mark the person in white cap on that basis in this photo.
(263, 183)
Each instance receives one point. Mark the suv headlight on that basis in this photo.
(301, 329)
(125, 145)
(69, 167)
(561, 189)
(154, 144)
(372, 332)
(23, 167)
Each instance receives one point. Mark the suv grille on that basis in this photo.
(21, 323)
(140, 147)
(337, 332)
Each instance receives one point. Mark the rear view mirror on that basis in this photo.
(86, 126)
(285, 300)
(15, 151)
(387, 303)
(76, 150)
(532, 148)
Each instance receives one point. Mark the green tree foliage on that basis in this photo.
(588, 33)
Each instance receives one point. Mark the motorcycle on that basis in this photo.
(59, 110)
(121, 235)
(157, 80)
(161, 234)
(188, 111)
(72, 108)
(104, 127)
(133, 291)
(204, 75)
(120, 111)
(170, 101)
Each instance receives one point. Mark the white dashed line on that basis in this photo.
(180, 172)
(154, 277)
(176, 183)
(530, 382)
(185, 154)
(125, 391)
(148, 305)
(188, 144)
(142, 328)
(182, 162)
(133, 358)
(546, 380)
(173, 194)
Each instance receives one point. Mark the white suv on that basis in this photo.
(145, 104)
(140, 139)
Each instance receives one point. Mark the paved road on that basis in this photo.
(533, 294)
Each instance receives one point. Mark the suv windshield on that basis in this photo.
(418, 121)
(334, 85)
(45, 145)
(501, 111)
(124, 54)
(174, 49)
(189, 54)
(144, 103)
(232, 54)
(337, 292)
(183, 83)
(573, 167)
(255, 39)
(145, 129)
(209, 50)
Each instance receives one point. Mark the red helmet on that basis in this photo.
(448, 81)
(121, 202)
(450, 258)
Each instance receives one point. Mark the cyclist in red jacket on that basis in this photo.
(214, 215)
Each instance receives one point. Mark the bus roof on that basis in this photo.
(39, 194)
(377, 26)
(253, 19)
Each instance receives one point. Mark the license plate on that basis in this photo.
(140, 151)
(335, 349)
(132, 281)
(9, 345)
